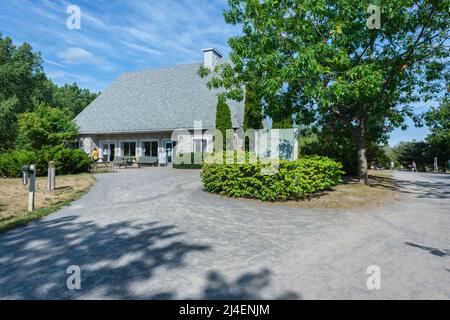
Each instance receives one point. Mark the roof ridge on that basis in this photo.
(161, 69)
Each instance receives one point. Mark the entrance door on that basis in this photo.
(169, 146)
(109, 152)
(169, 150)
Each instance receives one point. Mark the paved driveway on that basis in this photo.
(154, 234)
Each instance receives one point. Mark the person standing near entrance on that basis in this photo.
(413, 166)
(95, 155)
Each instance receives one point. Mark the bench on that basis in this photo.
(119, 162)
(145, 160)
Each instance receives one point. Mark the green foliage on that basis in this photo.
(67, 161)
(11, 162)
(223, 117)
(47, 127)
(253, 111)
(70, 161)
(223, 121)
(20, 75)
(407, 152)
(438, 121)
(188, 160)
(293, 180)
(24, 86)
(73, 98)
(316, 61)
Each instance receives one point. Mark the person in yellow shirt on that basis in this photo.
(95, 155)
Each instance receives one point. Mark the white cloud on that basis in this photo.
(76, 55)
(144, 49)
(81, 56)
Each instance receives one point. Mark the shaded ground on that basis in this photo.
(154, 234)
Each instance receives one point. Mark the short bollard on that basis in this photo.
(32, 171)
(51, 176)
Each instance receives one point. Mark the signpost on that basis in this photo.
(32, 188)
(30, 172)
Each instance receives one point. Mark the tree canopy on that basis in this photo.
(24, 86)
(20, 75)
(317, 61)
(252, 111)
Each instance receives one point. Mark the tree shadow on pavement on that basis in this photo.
(117, 261)
(34, 259)
(433, 251)
(419, 189)
(248, 286)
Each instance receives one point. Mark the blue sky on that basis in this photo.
(119, 35)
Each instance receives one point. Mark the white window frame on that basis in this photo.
(143, 147)
(122, 147)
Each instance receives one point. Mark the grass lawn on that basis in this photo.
(351, 194)
(14, 198)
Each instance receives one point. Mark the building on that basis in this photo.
(137, 115)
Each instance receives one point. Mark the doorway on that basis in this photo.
(108, 152)
(169, 146)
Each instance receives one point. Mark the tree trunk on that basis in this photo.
(362, 157)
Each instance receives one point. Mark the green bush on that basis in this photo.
(187, 160)
(71, 161)
(67, 161)
(292, 180)
(11, 162)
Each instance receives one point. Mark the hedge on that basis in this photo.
(67, 161)
(292, 180)
(187, 160)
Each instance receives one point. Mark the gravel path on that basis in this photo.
(154, 234)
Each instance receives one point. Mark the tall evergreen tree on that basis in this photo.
(223, 118)
(253, 111)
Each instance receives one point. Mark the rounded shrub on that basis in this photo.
(270, 181)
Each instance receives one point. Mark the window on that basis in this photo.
(150, 148)
(200, 145)
(129, 149)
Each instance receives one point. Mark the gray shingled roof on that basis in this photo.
(154, 100)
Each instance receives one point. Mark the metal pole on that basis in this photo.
(51, 176)
(32, 188)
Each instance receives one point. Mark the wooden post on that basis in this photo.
(32, 188)
(51, 176)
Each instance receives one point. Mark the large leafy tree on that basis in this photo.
(320, 58)
(20, 77)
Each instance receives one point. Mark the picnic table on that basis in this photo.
(128, 161)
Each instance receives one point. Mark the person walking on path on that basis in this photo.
(413, 166)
